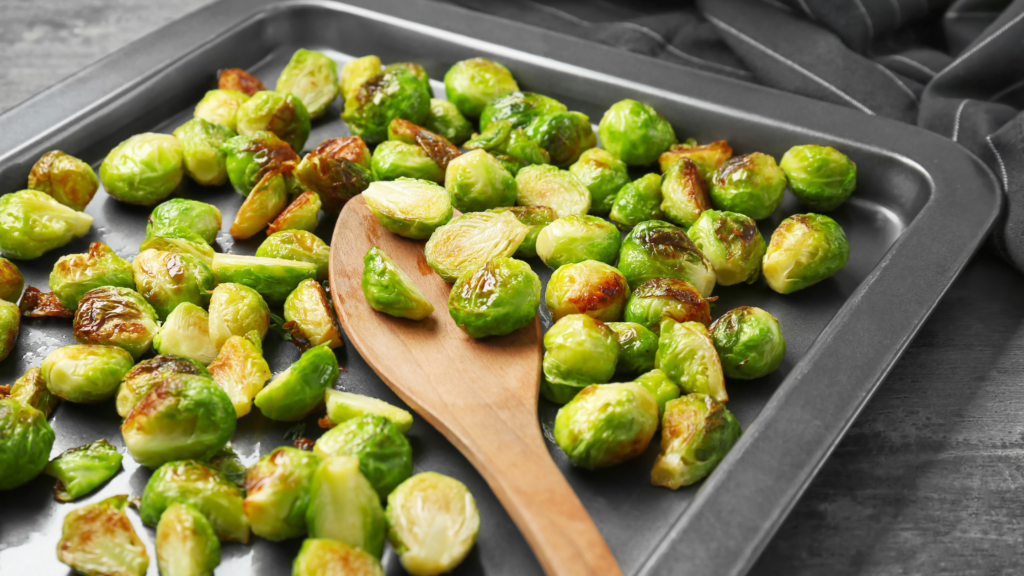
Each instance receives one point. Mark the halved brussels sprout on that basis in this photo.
(240, 370)
(36, 304)
(193, 483)
(186, 544)
(266, 201)
(656, 249)
(545, 185)
(283, 114)
(186, 333)
(804, 250)
(31, 390)
(234, 311)
(145, 375)
(355, 73)
(239, 80)
(661, 298)
(519, 108)
(344, 406)
(565, 135)
(351, 148)
(11, 281)
(684, 193)
(167, 279)
(638, 347)
(579, 351)
(749, 342)
(732, 243)
(415, 69)
(409, 207)
(638, 201)
(32, 223)
(577, 238)
(10, 323)
(470, 240)
(393, 94)
(294, 393)
(335, 177)
(433, 522)
(343, 506)
(472, 84)
(84, 373)
(310, 317)
(199, 217)
(477, 181)
(535, 218)
(635, 133)
(180, 240)
(201, 143)
(98, 539)
(821, 176)
(302, 214)
(319, 556)
(69, 180)
(436, 146)
(589, 287)
(606, 425)
(300, 246)
(697, 434)
(445, 119)
(393, 160)
(501, 139)
(75, 274)
(81, 470)
(751, 184)
(184, 416)
(273, 278)
(660, 386)
(687, 355)
(497, 298)
(603, 174)
(112, 315)
(385, 456)
(707, 157)
(250, 158)
(25, 443)
(277, 493)
(221, 107)
(144, 169)
(313, 78)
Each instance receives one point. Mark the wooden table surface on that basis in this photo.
(927, 481)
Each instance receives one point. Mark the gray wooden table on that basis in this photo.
(927, 481)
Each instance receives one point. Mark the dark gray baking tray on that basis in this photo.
(922, 207)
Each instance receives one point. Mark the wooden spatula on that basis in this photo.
(481, 394)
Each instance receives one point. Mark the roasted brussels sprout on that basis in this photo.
(145, 375)
(273, 278)
(470, 240)
(310, 317)
(85, 373)
(11, 281)
(535, 218)
(385, 456)
(234, 311)
(32, 223)
(445, 119)
(603, 174)
(186, 544)
(656, 249)
(239, 80)
(37, 304)
(81, 470)
(732, 243)
(167, 279)
(144, 169)
(697, 434)
(413, 68)
(343, 506)
(388, 289)
(408, 207)
(31, 390)
(294, 393)
(193, 483)
(277, 493)
(519, 108)
(501, 139)
(579, 351)
(821, 176)
(497, 298)
(344, 406)
(546, 185)
(751, 184)
(319, 556)
(281, 113)
(186, 333)
(477, 181)
(565, 135)
(687, 355)
(707, 157)
(606, 425)
(393, 160)
(201, 143)
(313, 78)
(684, 193)
(69, 180)
(299, 246)
(638, 347)
(577, 238)
(25, 442)
(659, 385)
(181, 240)
(749, 342)
(635, 133)
(221, 107)
(661, 298)
(75, 274)
(250, 158)
(356, 72)
(199, 217)
(332, 175)
(302, 214)
(240, 370)
(638, 201)
(804, 250)
(10, 324)
(436, 146)
(589, 287)
(115, 316)
(266, 201)
(472, 84)
(98, 539)
(433, 522)
(393, 94)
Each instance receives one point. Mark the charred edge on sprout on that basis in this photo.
(239, 80)
(37, 304)
(100, 306)
(698, 308)
(612, 287)
(351, 148)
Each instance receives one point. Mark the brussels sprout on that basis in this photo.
(144, 169)
(751, 184)
(659, 385)
(804, 250)
(294, 393)
(472, 84)
(221, 107)
(385, 456)
(11, 281)
(393, 160)
(36, 304)
(707, 157)
(686, 353)
(184, 416)
(31, 390)
(250, 158)
(98, 540)
(189, 482)
(436, 146)
(115, 316)
(477, 181)
(239, 80)
(379, 100)
(75, 274)
(548, 186)
(433, 522)
(32, 224)
(10, 323)
(266, 201)
(234, 311)
(389, 290)
(534, 217)
(167, 279)
(227, 462)
(25, 442)
(280, 113)
(445, 119)
(579, 351)
(313, 78)
(277, 493)
(199, 217)
(603, 175)
(749, 342)
(147, 374)
(684, 193)
(299, 246)
(321, 556)
(201, 143)
(589, 287)
(408, 207)
(635, 133)
(81, 470)
(355, 73)
(273, 278)
(606, 425)
(180, 240)
(470, 240)
(240, 370)
(661, 298)
(343, 506)
(333, 175)
(821, 176)
(413, 68)
(302, 214)
(186, 544)
(576, 238)
(656, 249)
(565, 135)
(310, 317)
(638, 347)
(498, 298)
(344, 406)
(732, 243)
(69, 180)
(697, 434)
(186, 333)
(501, 139)
(638, 201)
(519, 108)
(351, 148)
(85, 373)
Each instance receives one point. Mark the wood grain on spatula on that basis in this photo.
(481, 394)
